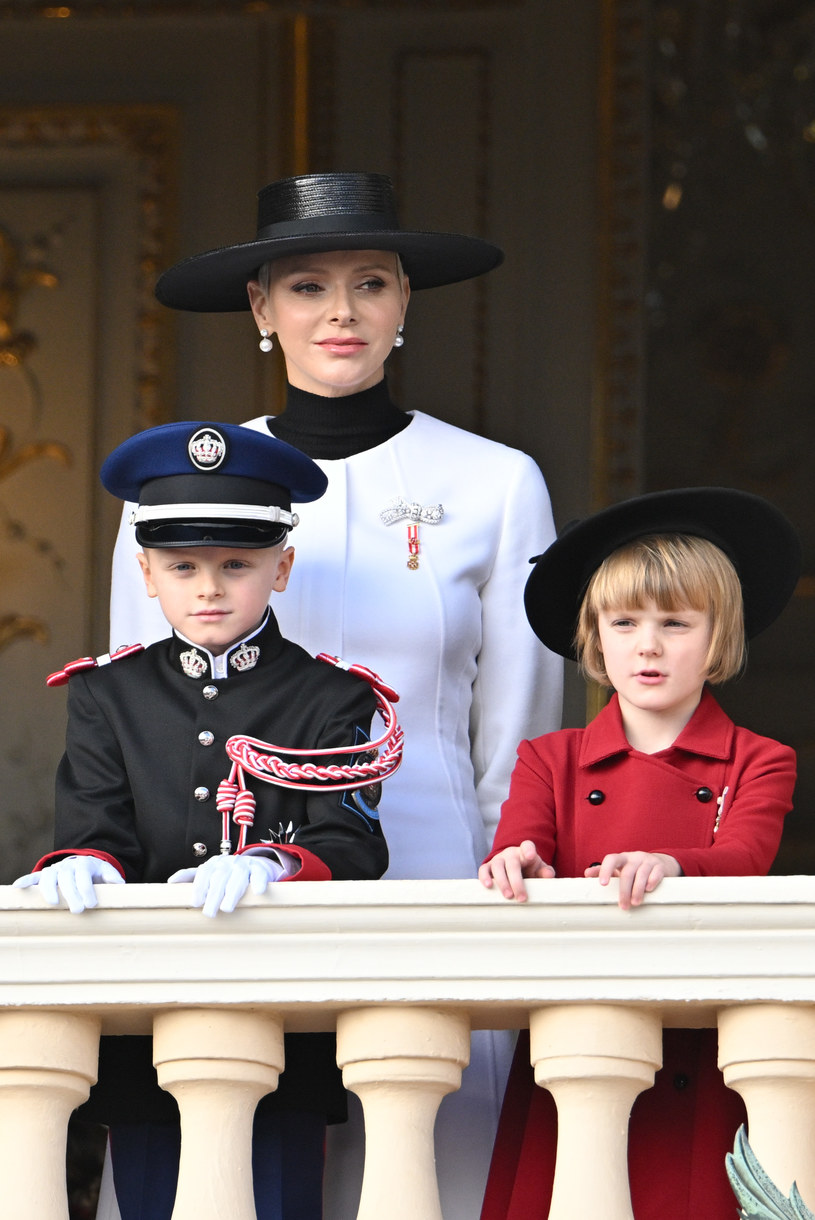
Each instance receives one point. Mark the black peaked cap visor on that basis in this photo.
(229, 534)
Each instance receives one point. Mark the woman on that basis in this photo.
(413, 562)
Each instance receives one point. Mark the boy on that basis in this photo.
(137, 793)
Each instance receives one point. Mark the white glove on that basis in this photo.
(221, 882)
(73, 877)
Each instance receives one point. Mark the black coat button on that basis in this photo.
(596, 797)
(681, 1081)
(704, 795)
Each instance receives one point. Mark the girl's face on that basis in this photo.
(335, 316)
(656, 659)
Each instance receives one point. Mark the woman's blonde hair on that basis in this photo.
(677, 571)
(264, 275)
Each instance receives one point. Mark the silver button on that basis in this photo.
(201, 794)
(206, 738)
(199, 849)
(210, 692)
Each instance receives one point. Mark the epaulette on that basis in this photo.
(75, 667)
(362, 671)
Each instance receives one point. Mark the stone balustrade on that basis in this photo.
(404, 971)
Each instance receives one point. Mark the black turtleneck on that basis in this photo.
(332, 428)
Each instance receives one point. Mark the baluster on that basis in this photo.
(595, 1060)
(401, 1062)
(217, 1064)
(767, 1054)
(48, 1062)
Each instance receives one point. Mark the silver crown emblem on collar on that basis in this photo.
(245, 657)
(193, 664)
(206, 448)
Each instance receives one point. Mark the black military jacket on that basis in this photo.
(138, 781)
(145, 754)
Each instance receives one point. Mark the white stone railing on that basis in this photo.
(403, 971)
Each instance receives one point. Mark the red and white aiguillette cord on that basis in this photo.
(378, 760)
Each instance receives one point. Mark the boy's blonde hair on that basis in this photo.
(677, 571)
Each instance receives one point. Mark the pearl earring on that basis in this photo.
(399, 341)
(265, 344)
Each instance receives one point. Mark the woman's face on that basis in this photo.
(335, 316)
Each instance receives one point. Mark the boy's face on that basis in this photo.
(215, 595)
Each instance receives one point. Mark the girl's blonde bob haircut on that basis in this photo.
(676, 571)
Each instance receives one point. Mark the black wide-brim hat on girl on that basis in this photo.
(756, 537)
(197, 483)
(314, 213)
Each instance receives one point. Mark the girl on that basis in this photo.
(655, 597)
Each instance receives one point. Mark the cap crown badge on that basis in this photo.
(206, 448)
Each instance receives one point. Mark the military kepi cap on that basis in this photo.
(196, 483)
(755, 535)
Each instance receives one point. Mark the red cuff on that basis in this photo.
(53, 856)
(312, 867)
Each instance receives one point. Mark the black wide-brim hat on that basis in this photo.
(314, 213)
(756, 537)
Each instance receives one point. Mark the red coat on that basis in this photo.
(581, 793)
(578, 795)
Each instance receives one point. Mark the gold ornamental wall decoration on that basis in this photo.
(19, 273)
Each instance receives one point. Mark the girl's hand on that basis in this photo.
(508, 868)
(639, 872)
